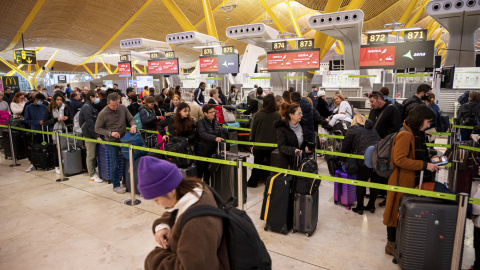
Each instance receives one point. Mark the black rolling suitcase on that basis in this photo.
(277, 206)
(190, 171)
(19, 144)
(42, 154)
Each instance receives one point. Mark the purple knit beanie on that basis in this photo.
(157, 177)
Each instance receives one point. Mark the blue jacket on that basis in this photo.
(33, 115)
(390, 99)
(75, 106)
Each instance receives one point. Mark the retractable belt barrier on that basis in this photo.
(279, 170)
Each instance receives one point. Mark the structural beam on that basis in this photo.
(207, 10)
(276, 21)
(136, 68)
(294, 20)
(25, 25)
(40, 71)
(432, 29)
(116, 70)
(89, 71)
(320, 38)
(179, 16)
(354, 4)
(214, 10)
(96, 70)
(103, 63)
(415, 17)
(11, 72)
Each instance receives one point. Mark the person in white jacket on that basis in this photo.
(342, 112)
(476, 230)
(17, 105)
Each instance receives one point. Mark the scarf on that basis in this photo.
(59, 112)
(298, 131)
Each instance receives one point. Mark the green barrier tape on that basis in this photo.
(3, 126)
(236, 128)
(362, 76)
(247, 115)
(464, 127)
(252, 143)
(366, 115)
(355, 182)
(149, 131)
(469, 148)
(412, 75)
(439, 145)
(93, 140)
(451, 119)
(338, 154)
(331, 136)
(241, 110)
(440, 133)
(213, 160)
(473, 201)
(294, 77)
(260, 78)
(213, 79)
(33, 131)
(243, 120)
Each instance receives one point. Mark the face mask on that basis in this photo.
(96, 101)
(62, 107)
(424, 97)
(39, 103)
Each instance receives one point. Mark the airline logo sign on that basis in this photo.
(26, 57)
(208, 64)
(293, 60)
(163, 67)
(10, 81)
(228, 63)
(124, 69)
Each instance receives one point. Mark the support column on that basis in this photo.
(207, 10)
(294, 20)
(179, 16)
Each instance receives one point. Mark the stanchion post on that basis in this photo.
(460, 231)
(11, 147)
(60, 164)
(240, 183)
(132, 201)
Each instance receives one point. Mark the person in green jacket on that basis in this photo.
(262, 131)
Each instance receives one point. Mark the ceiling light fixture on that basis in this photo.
(228, 8)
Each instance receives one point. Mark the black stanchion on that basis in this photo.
(240, 183)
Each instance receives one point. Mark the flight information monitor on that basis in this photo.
(208, 64)
(125, 69)
(298, 60)
(163, 67)
(398, 55)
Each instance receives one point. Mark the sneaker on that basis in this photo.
(30, 169)
(119, 190)
(57, 171)
(96, 179)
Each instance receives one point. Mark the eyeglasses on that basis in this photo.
(299, 113)
(211, 112)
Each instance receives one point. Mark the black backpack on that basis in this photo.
(443, 121)
(179, 145)
(245, 248)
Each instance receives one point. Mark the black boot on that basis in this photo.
(370, 207)
(359, 209)
(382, 204)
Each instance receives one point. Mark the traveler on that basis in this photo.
(75, 104)
(317, 118)
(3, 104)
(147, 114)
(134, 106)
(179, 124)
(68, 91)
(469, 114)
(126, 99)
(209, 134)
(34, 119)
(385, 92)
(17, 105)
(290, 136)
(84, 94)
(195, 110)
(112, 123)
(87, 118)
(261, 132)
(233, 95)
(62, 88)
(256, 103)
(163, 94)
(145, 92)
(221, 95)
(384, 115)
(291, 89)
(314, 96)
(103, 100)
(423, 91)
(162, 182)
(410, 155)
(174, 103)
(322, 105)
(8, 95)
(342, 112)
(159, 110)
(214, 97)
(286, 97)
(307, 115)
(57, 116)
(116, 90)
(358, 138)
(251, 95)
(198, 94)
(170, 95)
(178, 90)
(278, 101)
(430, 102)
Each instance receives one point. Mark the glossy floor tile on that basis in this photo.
(78, 224)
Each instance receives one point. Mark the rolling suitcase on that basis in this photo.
(277, 206)
(103, 162)
(233, 135)
(343, 193)
(305, 213)
(42, 154)
(127, 174)
(190, 171)
(19, 146)
(72, 159)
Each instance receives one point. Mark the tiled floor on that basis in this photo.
(78, 224)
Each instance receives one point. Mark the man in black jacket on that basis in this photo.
(103, 101)
(75, 103)
(254, 104)
(385, 115)
(198, 94)
(308, 114)
(419, 98)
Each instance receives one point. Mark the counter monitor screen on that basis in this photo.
(301, 60)
(208, 64)
(163, 67)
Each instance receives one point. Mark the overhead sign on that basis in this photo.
(380, 38)
(208, 64)
(415, 35)
(207, 51)
(62, 78)
(170, 54)
(154, 56)
(124, 58)
(228, 63)
(279, 46)
(125, 69)
(163, 67)
(228, 49)
(398, 55)
(298, 60)
(10, 81)
(305, 44)
(26, 57)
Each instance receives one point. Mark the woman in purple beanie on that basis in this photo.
(200, 243)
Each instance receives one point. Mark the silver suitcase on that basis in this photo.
(72, 159)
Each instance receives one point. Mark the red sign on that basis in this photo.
(124, 69)
(377, 56)
(293, 60)
(208, 64)
(164, 67)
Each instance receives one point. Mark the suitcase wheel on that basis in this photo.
(348, 207)
(294, 231)
(335, 202)
(285, 232)
(266, 228)
(307, 234)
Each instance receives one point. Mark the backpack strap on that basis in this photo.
(202, 210)
(380, 116)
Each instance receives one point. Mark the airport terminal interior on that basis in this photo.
(102, 97)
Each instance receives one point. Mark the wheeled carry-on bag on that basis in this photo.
(233, 135)
(190, 171)
(72, 159)
(43, 154)
(277, 206)
(18, 139)
(343, 193)
(103, 161)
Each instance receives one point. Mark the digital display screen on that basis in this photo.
(293, 60)
(377, 56)
(228, 63)
(208, 64)
(163, 67)
(398, 55)
(124, 69)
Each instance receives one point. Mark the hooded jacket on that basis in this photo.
(87, 118)
(358, 138)
(168, 122)
(307, 112)
(198, 96)
(389, 123)
(148, 117)
(207, 132)
(287, 142)
(322, 108)
(409, 104)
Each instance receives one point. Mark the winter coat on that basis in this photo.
(34, 114)
(287, 142)
(308, 113)
(403, 156)
(100, 105)
(168, 122)
(468, 111)
(253, 107)
(232, 98)
(319, 120)
(75, 106)
(261, 128)
(148, 118)
(222, 98)
(50, 120)
(195, 111)
(17, 109)
(207, 132)
(409, 104)
(389, 123)
(199, 245)
(87, 118)
(133, 108)
(322, 108)
(198, 96)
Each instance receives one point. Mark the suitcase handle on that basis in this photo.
(224, 149)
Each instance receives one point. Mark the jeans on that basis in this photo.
(91, 155)
(261, 157)
(114, 152)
